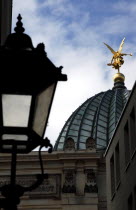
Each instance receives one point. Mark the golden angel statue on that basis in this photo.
(117, 59)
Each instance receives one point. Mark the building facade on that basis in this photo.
(74, 178)
(121, 160)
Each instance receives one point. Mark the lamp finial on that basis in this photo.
(19, 25)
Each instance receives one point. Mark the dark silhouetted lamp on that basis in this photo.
(27, 86)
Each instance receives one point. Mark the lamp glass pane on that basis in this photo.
(16, 110)
(14, 137)
(43, 103)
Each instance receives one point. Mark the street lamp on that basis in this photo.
(27, 86)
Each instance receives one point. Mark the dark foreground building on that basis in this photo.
(121, 160)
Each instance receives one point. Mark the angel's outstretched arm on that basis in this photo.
(126, 54)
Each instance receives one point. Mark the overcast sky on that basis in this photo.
(73, 32)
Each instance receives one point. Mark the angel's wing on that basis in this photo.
(110, 48)
(121, 46)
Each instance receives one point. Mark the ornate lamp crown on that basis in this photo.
(19, 24)
(19, 40)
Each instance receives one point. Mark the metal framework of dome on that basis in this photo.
(97, 118)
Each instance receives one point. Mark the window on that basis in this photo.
(130, 202)
(126, 143)
(133, 130)
(117, 158)
(112, 175)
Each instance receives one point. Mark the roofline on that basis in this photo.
(122, 114)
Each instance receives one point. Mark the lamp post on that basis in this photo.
(27, 86)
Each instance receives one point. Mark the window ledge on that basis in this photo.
(133, 154)
(117, 186)
(112, 197)
(128, 164)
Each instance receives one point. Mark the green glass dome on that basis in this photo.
(95, 118)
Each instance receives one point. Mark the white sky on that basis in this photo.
(73, 32)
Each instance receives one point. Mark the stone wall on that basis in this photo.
(76, 180)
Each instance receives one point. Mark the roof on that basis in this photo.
(97, 118)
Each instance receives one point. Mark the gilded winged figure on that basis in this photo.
(117, 59)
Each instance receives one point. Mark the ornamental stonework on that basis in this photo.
(69, 182)
(91, 185)
(50, 187)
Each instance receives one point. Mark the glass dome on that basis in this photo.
(95, 118)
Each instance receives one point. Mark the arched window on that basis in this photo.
(69, 144)
(90, 143)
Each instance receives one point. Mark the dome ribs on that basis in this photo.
(82, 121)
(96, 118)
